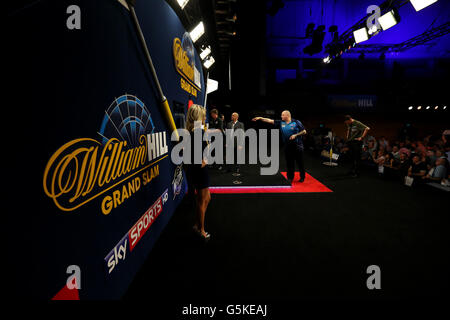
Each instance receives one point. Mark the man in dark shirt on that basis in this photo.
(356, 131)
(418, 168)
(215, 122)
(291, 133)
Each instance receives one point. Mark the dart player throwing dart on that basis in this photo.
(291, 133)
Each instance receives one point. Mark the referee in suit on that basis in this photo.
(235, 124)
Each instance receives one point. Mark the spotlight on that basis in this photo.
(419, 107)
(410, 108)
(198, 31)
(437, 107)
(360, 35)
(208, 63)
(388, 20)
(421, 4)
(445, 107)
(327, 59)
(182, 3)
(428, 107)
(205, 53)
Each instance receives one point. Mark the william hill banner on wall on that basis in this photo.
(94, 186)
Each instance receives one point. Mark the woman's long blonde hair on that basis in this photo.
(195, 113)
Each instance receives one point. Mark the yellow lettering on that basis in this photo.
(107, 205)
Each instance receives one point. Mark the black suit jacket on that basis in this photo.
(238, 125)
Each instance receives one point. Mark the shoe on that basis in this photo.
(205, 237)
(301, 179)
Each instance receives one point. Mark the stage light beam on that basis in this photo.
(421, 4)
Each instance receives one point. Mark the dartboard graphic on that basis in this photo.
(188, 46)
(126, 119)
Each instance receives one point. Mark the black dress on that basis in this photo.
(197, 177)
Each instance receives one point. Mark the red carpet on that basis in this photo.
(309, 185)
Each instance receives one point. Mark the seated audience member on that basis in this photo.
(383, 142)
(401, 166)
(404, 149)
(430, 159)
(395, 152)
(372, 145)
(379, 158)
(418, 168)
(438, 173)
(388, 160)
(420, 147)
(440, 154)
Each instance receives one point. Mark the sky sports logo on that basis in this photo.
(135, 234)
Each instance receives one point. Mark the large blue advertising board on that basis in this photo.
(92, 182)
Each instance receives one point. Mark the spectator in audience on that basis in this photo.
(395, 152)
(379, 158)
(383, 143)
(417, 168)
(372, 145)
(421, 148)
(405, 150)
(430, 159)
(438, 172)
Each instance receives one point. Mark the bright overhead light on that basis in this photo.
(419, 107)
(388, 20)
(360, 35)
(445, 107)
(437, 107)
(182, 3)
(420, 4)
(205, 53)
(198, 31)
(212, 85)
(327, 59)
(410, 108)
(208, 63)
(428, 107)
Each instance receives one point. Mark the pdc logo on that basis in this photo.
(135, 234)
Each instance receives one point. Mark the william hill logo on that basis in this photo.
(183, 54)
(116, 168)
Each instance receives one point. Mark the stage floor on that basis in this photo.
(250, 180)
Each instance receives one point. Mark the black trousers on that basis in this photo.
(294, 153)
(355, 148)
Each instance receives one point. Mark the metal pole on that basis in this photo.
(162, 99)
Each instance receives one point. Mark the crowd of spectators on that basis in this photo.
(424, 160)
